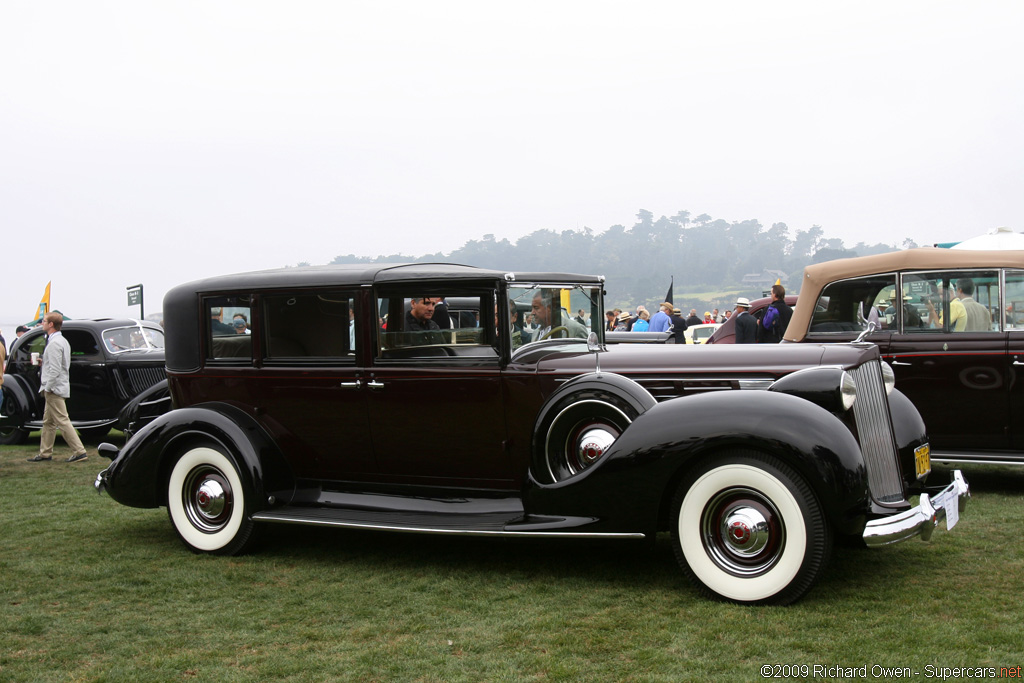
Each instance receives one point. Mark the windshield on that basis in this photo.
(133, 338)
(540, 311)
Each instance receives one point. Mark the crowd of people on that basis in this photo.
(749, 329)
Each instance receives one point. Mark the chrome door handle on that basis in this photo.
(1017, 362)
(351, 385)
(896, 362)
(374, 384)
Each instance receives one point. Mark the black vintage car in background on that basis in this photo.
(341, 408)
(112, 362)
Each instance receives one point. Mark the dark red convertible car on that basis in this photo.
(951, 325)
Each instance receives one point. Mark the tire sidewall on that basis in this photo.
(799, 562)
(232, 534)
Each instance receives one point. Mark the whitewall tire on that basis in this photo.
(208, 504)
(748, 529)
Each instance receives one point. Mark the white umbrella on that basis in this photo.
(999, 238)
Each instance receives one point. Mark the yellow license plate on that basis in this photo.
(923, 460)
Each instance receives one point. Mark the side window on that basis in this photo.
(418, 324)
(306, 325)
(228, 335)
(849, 305)
(82, 343)
(34, 344)
(951, 301)
(1014, 298)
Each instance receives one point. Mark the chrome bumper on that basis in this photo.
(101, 482)
(922, 519)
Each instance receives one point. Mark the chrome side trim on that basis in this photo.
(920, 520)
(973, 458)
(268, 516)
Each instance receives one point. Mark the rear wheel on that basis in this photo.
(748, 529)
(208, 504)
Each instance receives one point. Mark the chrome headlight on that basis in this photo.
(847, 390)
(828, 386)
(888, 377)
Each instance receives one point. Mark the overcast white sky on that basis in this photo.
(160, 142)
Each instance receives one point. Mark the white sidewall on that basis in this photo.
(193, 536)
(711, 575)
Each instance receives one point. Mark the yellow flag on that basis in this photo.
(778, 281)
(44, 303)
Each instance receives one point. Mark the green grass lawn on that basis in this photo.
(94, 591)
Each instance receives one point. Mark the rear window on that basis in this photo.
(307, 325)
(849, 305)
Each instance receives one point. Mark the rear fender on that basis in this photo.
(137, 475)
(21, 401)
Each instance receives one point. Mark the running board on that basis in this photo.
(486, 524)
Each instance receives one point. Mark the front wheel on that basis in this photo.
(748, 528)
(208, 504)
(11, 433)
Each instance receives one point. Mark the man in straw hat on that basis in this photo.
(746, 324)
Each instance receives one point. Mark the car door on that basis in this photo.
(435, 399)
(1013, 322)
(310, 383)
(956, 374)
(94, 392)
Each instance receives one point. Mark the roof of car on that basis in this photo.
(820, 274)
(364, 274)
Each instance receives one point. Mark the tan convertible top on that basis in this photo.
(929, 258)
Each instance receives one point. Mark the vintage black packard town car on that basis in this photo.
(343, 406)
(112, 362)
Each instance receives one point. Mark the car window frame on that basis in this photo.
(487, 292)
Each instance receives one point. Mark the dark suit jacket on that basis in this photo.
(746, 328)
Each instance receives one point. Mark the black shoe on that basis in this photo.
(39, 458)
(79, 458)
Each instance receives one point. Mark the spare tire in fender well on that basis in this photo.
(580, 421)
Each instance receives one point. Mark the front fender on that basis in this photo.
(138, 474)
(910, 433)
(629, 489)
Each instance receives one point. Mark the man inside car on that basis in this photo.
(420, 318)
(543, 308)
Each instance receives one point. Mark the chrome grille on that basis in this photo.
(874, 431)
(142, 378)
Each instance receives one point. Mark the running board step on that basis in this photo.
(485, 524)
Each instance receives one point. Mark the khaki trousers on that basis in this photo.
(55, 417)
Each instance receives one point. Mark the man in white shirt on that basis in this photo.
(55, 386)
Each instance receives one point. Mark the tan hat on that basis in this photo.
(743, 301)
(665, 304)
(624, 316)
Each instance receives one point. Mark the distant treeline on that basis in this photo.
(704, 255)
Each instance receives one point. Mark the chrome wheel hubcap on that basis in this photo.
(207, 499)
(743, 532)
